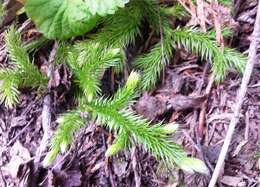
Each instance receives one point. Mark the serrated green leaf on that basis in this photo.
(61, 19)
(104, 7)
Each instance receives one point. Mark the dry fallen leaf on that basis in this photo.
(120, 167)
(12, 7)
(18, 121)
(72, 178)
(182, 102)
(230, 180)
(20, 155)
(150, 107)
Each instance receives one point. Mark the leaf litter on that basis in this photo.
(85, 164)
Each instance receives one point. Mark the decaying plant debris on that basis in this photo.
(173, 63)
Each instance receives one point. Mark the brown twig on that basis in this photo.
(202, 114)
(46, 110)
(192, 13)
(3, 180)
(201, 14)
(186, 134)
(20, 132)
(134, 164)
(198, 149)
(240, 97)
(108, 165)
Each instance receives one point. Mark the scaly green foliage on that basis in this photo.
(176, 11)
(154, 62)
(9, 80)
(88, 62)
(121, 142)
(131, 128)
(69, 123)
(194, 41)
(227, 3)
(20, 59)
(154, 138)
(202, 44)
(22, 74)
(116, 33)
(199, 43)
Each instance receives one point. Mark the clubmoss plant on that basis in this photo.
(21, 73)
(88, 59)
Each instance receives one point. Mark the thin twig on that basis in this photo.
(240, 97)
(134, 164)
(201, 14)
(20, 132)
(202, 114)
(187, 8)
(108, 166)
(46, 110)
(3, 181)
(186, 134)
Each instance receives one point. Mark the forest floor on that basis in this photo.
(183, 84)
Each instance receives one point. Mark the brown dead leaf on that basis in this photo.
(20, 155)
(150, 107)
(18, 121)
(230, 180)
(120, 166)
(65, 80)
(68, 178)
(181, 102)
(19, 150)
(73, 178)
(12, 7)
(223, 14)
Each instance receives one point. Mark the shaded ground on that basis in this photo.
(183, 89)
